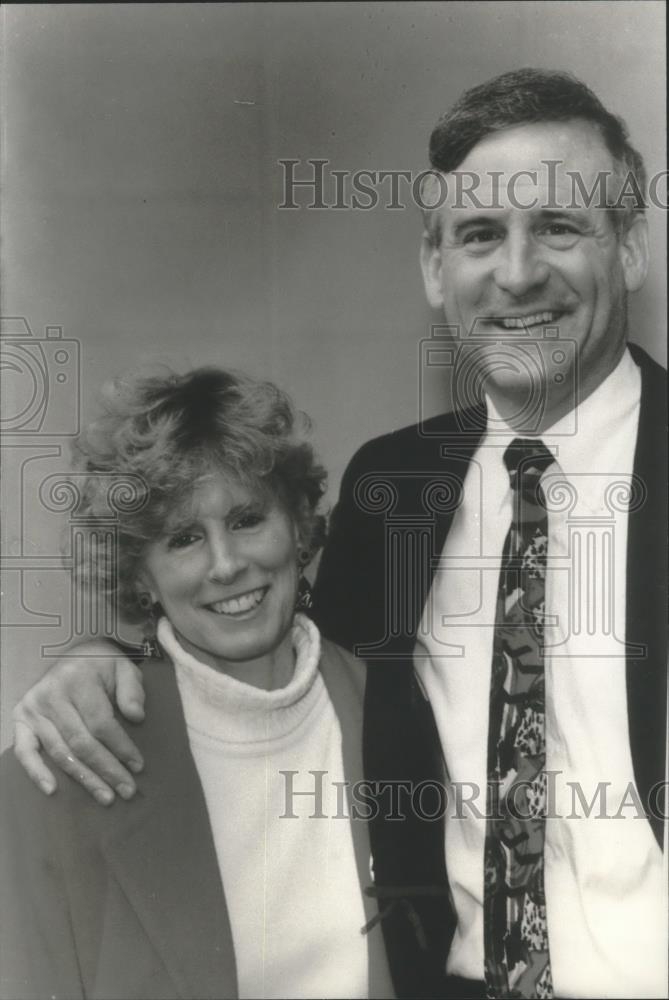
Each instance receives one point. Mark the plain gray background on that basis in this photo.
(141, 185)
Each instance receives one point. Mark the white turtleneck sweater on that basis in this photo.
(291, 884)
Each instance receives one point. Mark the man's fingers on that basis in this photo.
(27, 751)
(87, 740)
(90, 722)
(112, 742)
(70, 714)
(129, 690)
(61, 754)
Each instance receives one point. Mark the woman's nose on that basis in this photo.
(226, 559)
(521, 268)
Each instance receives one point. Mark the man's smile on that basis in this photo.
(525, 321)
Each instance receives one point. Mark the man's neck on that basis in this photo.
(525, 420)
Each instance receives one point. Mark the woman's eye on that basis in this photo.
(182, 540)
(249, 520)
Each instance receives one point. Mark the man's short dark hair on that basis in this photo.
(526, 97)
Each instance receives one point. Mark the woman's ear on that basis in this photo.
(299, 519)
(146, 593)
(303, 554)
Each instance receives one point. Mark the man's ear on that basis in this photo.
(431, 266)
(634, 254)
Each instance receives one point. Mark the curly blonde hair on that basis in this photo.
(164, 433)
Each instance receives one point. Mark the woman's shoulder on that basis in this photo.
(344, 674)
(334, 653)
(28, 817)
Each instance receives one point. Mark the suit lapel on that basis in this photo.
(451, 458)
(162, 853)
(646, 594)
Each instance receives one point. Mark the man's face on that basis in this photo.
(511, 277)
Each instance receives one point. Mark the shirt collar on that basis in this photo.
(586, 441)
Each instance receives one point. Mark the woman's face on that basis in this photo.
(226, 576)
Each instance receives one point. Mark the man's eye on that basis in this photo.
(182, 540)
(560, 235)
(557, 228)
(481, 236)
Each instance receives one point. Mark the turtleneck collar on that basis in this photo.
(230, 711)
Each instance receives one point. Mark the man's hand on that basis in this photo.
(69, 713)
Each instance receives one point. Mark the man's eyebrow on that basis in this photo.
(574, 214)
(477, 220)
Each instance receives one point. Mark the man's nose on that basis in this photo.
(521, 267)
(226, 558)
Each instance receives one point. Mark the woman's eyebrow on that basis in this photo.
(177, 524)
(255, 504)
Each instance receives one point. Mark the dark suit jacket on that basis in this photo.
(397, 502)
(127, 902)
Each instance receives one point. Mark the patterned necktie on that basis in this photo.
(515, 935)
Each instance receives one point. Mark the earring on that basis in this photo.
(150, 647)
(304, 596)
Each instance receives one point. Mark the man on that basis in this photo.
(501, 568)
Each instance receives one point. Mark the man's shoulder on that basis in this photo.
(653, 374)
(651, 445)
(411, 446)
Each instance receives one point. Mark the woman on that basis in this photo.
(239, 870)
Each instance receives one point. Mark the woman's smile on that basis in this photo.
(241, 605)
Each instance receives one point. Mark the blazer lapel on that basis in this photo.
(163, 856)
(345, 683)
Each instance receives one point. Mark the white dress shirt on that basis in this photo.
(606, 885)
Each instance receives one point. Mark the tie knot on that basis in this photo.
(527, 457)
